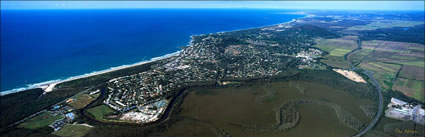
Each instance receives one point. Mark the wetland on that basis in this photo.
(254, 110)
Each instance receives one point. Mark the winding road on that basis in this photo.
(378, 88)
(380, 107)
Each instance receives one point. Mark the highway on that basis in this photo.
(378, 88)
(380, 107)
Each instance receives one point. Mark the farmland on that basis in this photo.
(336, 49)
(42, 120)
(412, 72)
(82, 100)
(385, 73)
(381, 24)
(73, 131)
(100, 111)
(396, 65)
(412, 88)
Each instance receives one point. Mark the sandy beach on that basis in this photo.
(49, 86)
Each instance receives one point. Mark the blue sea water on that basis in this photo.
(43, 45)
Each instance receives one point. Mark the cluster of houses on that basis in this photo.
(211, 58)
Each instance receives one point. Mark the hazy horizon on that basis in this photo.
(300, 5)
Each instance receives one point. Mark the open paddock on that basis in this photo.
(380, 24)
(335, 61)
(73, 131)
(337, 48)
(411, 88)
(412, 72)
(385, 73)
(42, 120)
(100, 111)
(81, 101)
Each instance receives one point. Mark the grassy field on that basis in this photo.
(81, 101)
(385, 73)
(335, 61)
(412, 72)
(339, 52)
(412, 88)
(348, 42)
(386, 24)
(382, 58)
(411, 63)
(73, 131)
(419, 49)
(394, 52)
(100, 111)
(337, 48)
(42, 120)
(360, 55)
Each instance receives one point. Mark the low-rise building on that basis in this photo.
(70, 116)
(398, 109)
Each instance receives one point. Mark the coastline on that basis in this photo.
(48, 86)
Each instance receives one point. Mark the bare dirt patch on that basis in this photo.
(350, 75)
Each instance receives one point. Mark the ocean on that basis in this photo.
(44, 45)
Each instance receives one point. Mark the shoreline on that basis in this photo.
(49, 85)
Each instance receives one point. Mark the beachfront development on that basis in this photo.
(212, 58)
(314, 64)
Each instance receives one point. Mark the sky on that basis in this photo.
(336, 5)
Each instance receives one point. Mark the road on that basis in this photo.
(44, 110)
(378, 88)
(380, 107)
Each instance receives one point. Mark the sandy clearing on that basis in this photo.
(350, 75)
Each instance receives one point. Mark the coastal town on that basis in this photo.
(211, 58)
(221, 60)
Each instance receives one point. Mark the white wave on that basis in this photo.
(40, 85)
(57, 81)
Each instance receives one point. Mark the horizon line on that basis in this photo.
(118, 8)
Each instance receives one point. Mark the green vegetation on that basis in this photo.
(339, 52)
(412, 34)
(419, 49)
(73, 131)
(386, 24)
(42, 120)
(419, 90)
(412, 72)
(337, 48)
(249, 111)
(412, 63)
(100, 111)
(14, 107)
(329, 45)
(411, 88)
(385, 73)
(335, 61)
(385, 59)
(358, 56)
(81, 101)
